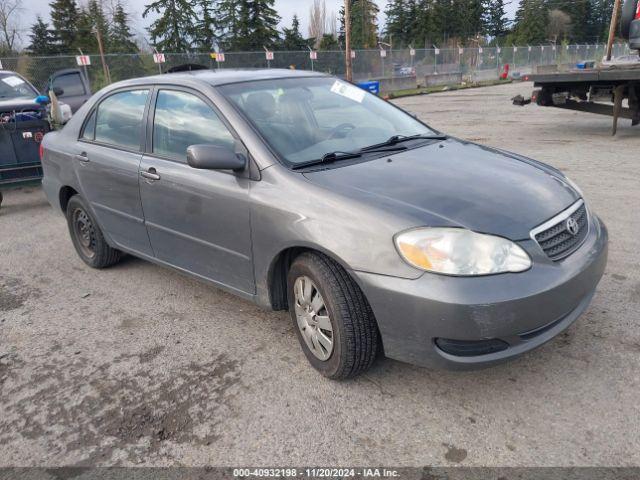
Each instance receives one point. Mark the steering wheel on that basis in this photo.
(341, 130)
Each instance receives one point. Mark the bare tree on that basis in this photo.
(559, 25)
(333, 25)
(317, 21)
(9, 23)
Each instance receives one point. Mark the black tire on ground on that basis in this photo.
(87, 237)
(356, 340)
(1, 198)
(627, 16)
(544, 98)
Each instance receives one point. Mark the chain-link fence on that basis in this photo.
(394, 68)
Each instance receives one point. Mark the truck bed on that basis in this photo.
(604, 75)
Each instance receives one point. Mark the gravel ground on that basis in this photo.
(140, 365)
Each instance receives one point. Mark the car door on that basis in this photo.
(197, 220)
(74, 86)
(107, 160)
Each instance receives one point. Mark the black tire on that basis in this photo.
(356, 340)
(1, 198)
(544, 98)
(87, 237)
(627, 15)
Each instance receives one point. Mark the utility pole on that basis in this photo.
(105, 68)
(347, 39)
(612, 28)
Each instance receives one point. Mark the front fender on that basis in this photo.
(288, 211)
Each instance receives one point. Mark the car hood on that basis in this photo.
(456, 183)
(9, 105)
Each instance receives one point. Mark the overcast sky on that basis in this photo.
(286, 9)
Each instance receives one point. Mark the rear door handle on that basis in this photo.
(82, 157)
(150, 174)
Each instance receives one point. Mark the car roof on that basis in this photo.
(222, 76)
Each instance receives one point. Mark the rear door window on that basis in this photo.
(70, 83)
(182, 119)
(119, 119)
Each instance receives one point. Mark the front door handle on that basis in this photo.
(82, 157)
(150, 174)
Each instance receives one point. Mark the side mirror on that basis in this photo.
(58, 91)
(213, 157)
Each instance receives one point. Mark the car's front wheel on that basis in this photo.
(334, 322)
(87, 237)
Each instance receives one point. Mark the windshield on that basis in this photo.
(12, 86)
(304, 119)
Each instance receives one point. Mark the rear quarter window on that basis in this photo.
(89, 129)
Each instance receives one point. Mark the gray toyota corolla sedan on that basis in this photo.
(302, 192)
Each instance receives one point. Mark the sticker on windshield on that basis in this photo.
(13, 81)
(349, 91)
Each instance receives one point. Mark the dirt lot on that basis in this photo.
(140, 365)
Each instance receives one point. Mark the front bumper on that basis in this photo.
(524, 309)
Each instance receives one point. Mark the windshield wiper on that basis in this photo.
(328, 158)
(395, 139)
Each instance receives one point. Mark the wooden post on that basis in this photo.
(105, 68)
(612, 28)
(347, 39)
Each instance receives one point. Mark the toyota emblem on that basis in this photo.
(572, 226)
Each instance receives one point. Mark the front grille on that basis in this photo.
(555, 237)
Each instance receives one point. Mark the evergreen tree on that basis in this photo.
(470, 23)
(364, 28)
(445, 17)
(292, 38)
(64, 19)
(531, 22)
(580, 14)
(92, 20)
(205, 36)
(329, 42)
(228, 15)
(121, 40)
(120, 36)
(173, 31)
(495, 20)
(601, 11)
(263, 25)
(42, 40)
(424, 27)
(249, 24)
(398, 22)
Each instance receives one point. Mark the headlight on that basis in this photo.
(456, 251)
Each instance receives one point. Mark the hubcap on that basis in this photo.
(83, 229)
(313, 318)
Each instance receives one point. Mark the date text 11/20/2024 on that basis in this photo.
(315, 472)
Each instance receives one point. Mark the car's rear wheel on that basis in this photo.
(334, 322)
(87, 237)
